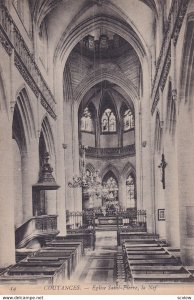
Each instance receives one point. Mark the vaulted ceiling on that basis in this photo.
(67, 14)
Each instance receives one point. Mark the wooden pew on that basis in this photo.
(158, 278)
(157, 269)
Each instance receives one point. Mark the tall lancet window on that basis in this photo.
(86, 121)
(108, 121)
(128, 120)
(131, 194)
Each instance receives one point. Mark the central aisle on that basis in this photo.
(100, 265)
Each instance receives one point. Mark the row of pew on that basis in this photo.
(149, 260)
(54, 263)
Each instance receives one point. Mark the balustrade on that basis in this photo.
(111, 152)
(36, 226)
(11, 38)
(175, 18)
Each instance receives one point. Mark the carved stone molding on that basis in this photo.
(10, 39)
(175, 20)
(109, 153)
(5, 43)
(23, 71)
(180, 18)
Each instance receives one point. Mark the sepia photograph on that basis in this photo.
(96, 148)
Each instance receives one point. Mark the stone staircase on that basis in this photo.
(150, 261)
(51, 264)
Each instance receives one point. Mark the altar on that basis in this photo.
(109, 220)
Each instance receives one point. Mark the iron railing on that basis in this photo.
(88, 219)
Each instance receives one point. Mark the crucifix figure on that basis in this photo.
(162, 166)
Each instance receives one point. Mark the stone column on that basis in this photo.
(138, 147)
(7, 232)
(171, 194)
(146, 163)
(68, 155)
(76, 157)
(185, 160)
(30, 170)
(122, 193)
(60, 166)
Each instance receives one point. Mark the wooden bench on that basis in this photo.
(88, 237)
(148, 262)
(41, 263)
(157, 269)
(146, 249)
(142, 252)
(163, 277)
(50, 259)
(143, 257)
(138, 245)
(28, 279)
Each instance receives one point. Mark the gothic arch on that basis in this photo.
(25, 114)
(90, 167)
(128, 169)
(113, 169)
(187, 76)
(48, 136)
(72, 35)
(101, 75)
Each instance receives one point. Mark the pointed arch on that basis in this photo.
(111, 168)
(108, 112)
(187, 76)
(90, 167)
(23, 124)
(48, 136)
(26, 112)
(128, 169)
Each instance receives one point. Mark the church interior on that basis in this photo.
(96, 141)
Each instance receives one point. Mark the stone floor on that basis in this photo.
(99, 266)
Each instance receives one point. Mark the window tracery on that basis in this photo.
(108, 121)
(130, 186)
(86, 121)
(128, 120)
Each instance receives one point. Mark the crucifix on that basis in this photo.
(162, 166)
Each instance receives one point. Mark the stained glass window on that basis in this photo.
(86, 121)
(130, 186)
(128, 120)
(108, 121)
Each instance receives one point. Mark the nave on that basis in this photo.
(130, 259)
(96, 141)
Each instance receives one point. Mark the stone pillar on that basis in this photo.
(7, 232)
(30, 170)
(60, 167)
(171, 194)
(76, 157)
(138, 147)
(146, 163)
(122, 193)
(185, 160)
(68, 155)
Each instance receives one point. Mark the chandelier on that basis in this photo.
(91, 182)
